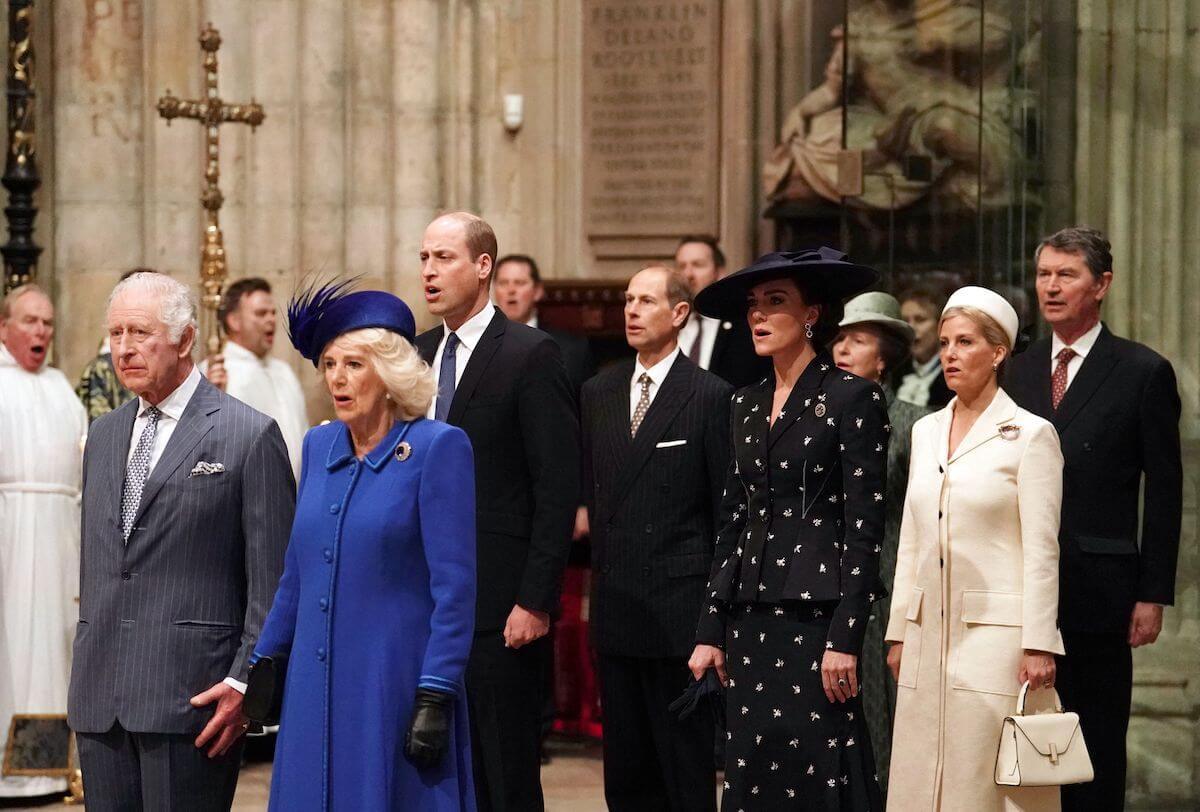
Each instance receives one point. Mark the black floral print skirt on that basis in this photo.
(788, 746)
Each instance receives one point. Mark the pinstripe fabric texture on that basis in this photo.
(653, 501)
(178, 607)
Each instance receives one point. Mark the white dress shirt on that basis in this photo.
(532, 321)
(270, 386)
(1082, 346)
(172, 408)
(914, 387)
(707, 330)
(657, 373)
(469, 335)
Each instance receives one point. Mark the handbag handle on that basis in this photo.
(1021, 700)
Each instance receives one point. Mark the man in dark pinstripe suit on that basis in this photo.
(656, 449)
(188, 498)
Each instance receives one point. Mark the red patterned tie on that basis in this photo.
(1058, 381)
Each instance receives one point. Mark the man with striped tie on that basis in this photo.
(188, 499)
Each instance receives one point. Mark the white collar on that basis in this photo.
(237, 352)
(658, 372)
(533, 320)
(1082, 345)
(7, 359)
(471, 331)
(173, 404)
(930, 366)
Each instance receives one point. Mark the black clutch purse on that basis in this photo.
(264, 690)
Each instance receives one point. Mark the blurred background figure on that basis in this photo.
(924, 385)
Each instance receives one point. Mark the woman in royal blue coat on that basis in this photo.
(375, 609)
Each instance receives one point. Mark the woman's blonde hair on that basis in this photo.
(993, 333)
(408, 379)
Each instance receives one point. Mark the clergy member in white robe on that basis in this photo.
(42, 428)
(247, 370)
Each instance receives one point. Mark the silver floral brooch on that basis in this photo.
(1010, 432)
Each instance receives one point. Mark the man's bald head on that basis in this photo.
(479, 236)
(457, 254)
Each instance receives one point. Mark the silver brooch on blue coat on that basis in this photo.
(819, 410)
(403, 451)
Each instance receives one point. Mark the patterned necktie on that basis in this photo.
(137, 471)
(1058, 381)
(693, 352)
(639, 411)
(446, 373)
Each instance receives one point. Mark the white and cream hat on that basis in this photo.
(991, 303)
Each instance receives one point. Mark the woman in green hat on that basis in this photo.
(873, 342)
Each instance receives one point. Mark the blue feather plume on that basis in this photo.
(306, 309)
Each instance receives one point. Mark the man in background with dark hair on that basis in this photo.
(1116, 407)
(656, 450)
(722, 347)
(517, 290)
(504, 384)
(246, 369)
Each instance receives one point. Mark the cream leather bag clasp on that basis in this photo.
(1042, 749)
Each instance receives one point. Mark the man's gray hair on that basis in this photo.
(176, 304)
(6, 307)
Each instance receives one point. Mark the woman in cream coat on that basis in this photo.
(975, 601)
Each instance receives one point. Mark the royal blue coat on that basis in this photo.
(377, 599)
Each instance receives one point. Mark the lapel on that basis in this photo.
(481, 356)
(615, 420)
(805, 395)
(673, 394)
(1095, 368)
(721, 343)
(195, 422)
(1040, 385)
(121, 439)
(1002, 410)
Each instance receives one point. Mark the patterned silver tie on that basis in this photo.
(643, 404)
(139, 468)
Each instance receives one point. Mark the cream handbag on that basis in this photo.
(1042, 749)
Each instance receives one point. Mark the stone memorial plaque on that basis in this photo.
(651, 118)
(38, 744)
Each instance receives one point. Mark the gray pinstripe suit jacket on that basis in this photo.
(178, 608)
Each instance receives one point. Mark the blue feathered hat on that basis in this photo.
(318, 315)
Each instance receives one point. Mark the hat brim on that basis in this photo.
(726, 298)
(898, 326)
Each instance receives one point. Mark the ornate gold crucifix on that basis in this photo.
(211, 112)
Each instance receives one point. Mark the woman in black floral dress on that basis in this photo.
(796, 563)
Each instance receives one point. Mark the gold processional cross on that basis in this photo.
(211, 112)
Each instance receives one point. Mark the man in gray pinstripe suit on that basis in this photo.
(188, 498)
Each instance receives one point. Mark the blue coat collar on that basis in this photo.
(342, 449)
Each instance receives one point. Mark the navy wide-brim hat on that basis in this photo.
(824, 272)
(317, 316)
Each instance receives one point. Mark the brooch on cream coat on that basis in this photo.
(1010, 431)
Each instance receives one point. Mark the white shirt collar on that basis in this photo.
(930, 366)
(658, 372)
(1082, 345)
(473, 328)
(237, 352)
(533, 320)
(173, 404)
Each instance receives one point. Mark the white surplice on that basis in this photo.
(42, 428)
(270, 386)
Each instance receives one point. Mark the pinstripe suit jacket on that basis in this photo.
(178, 608)
(653, 502)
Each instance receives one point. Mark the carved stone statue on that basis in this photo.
(912, 87)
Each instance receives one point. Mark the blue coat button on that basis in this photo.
(328, 554)
(335, 507)
(321, 654)
(323, 603)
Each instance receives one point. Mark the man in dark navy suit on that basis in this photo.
(723, 347)
(1116, 407)
(504, 384)
(656, 449)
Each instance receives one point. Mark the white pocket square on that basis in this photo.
(671, 443)
(207, 469)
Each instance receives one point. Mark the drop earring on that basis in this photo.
(808, 330)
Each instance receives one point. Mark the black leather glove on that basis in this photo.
(429, 732)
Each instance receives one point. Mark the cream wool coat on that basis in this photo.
(976, 584)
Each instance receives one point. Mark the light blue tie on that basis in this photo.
(446, 373)
(136, 473)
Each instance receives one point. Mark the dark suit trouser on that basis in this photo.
(506, 693)
(654, 761)
(1095, 680)
(131, 772)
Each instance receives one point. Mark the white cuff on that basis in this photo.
(237, 685)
